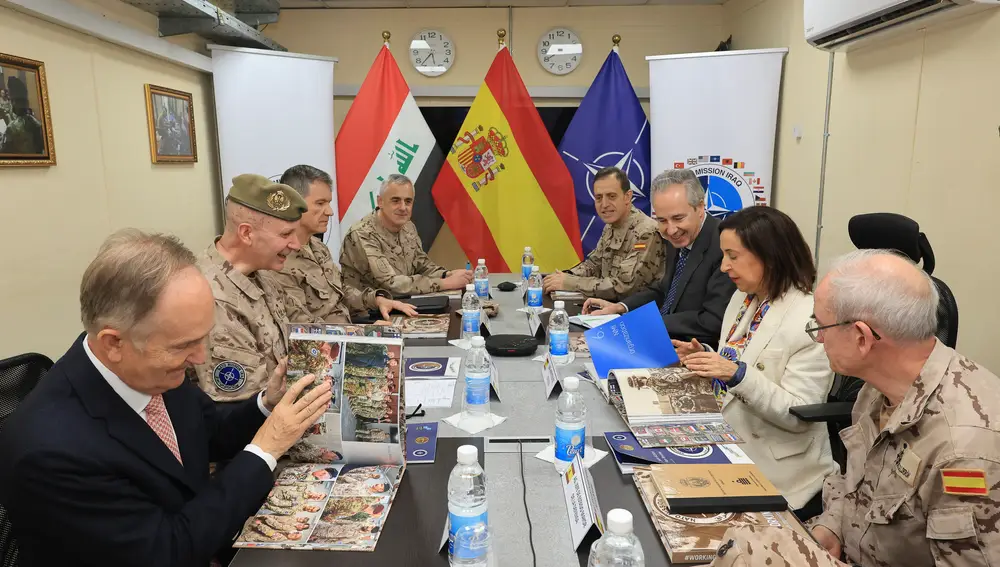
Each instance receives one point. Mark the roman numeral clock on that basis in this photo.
(432, 53)
(560, 51)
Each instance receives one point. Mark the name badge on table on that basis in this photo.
(550, 377)
(585, 517)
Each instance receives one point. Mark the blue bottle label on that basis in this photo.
(526, 271)
(470, 322)
(559, 343)
(477, 388)
(534, 297)
(467, 547)
(483, 288)
(570, 442)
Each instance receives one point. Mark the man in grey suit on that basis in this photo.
(694, 293)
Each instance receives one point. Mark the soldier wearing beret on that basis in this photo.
(630, 254)
(249, 337)
(384, 251)
(922, 485)
(310, 276)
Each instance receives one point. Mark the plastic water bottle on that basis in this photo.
(571, 424)
(618, 547)
(482, 278)
(535, 288)
(476, 401)
(468, 531)
(559, 334)
(527, 262)
(470, 312)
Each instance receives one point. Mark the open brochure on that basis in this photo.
(353, 456)
(423, 326)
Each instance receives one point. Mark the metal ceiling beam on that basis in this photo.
(209, 21)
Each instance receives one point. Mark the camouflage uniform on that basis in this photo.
(750, 546)
(248, 339)
(626, 259)
(925, 488)
(315, 282)
(373, 257)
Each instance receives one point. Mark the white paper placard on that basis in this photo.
(581, 503)
(550, 377)
(494, 381)
(534, 322)
(484, 320)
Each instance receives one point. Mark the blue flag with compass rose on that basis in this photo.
(609, 128)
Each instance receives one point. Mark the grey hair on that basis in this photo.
(301, 177)
(863, 289)
(122, 284)
(393, 179)
(685, 177)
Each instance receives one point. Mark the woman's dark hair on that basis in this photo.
(773, 237)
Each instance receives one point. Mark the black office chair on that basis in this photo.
(894, 232)
(18, 376)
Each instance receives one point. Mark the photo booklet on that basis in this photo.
(343, 474)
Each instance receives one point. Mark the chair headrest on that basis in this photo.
(892, 231)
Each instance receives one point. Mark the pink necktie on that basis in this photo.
(159, 420)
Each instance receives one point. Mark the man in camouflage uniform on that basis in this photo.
(24, 132)
(630, 254)
(383, 250)
(922, 485)
(310, 277)
(249, 337)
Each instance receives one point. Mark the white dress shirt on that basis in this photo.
(138, 400)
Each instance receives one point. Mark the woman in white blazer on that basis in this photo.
(766, 362)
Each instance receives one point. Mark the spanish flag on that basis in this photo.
(503, 185)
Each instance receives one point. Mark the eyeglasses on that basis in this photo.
(813, 332)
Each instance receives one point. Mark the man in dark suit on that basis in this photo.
(106, 462)
(694, 293)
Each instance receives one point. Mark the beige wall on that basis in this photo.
(53, 219)
(913, 131)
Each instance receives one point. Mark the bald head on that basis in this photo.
(885, 290)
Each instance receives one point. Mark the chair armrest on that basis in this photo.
(834, 411)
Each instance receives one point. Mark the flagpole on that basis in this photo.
(501, 34)
(615, 40)
(385, 37)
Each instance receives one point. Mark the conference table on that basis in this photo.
(530, 417)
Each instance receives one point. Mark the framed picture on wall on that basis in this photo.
(170, 115)
(25, 121)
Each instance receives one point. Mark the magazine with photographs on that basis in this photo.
(345, 470)
(423, 326)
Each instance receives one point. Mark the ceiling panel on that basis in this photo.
(480, 3)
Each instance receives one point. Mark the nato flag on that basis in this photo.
(609, 128)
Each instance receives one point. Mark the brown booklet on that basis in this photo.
(713, 488)
(695, 538)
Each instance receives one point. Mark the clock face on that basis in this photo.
(560, 51)
(431, 52)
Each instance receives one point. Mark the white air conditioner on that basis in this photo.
(846, 24)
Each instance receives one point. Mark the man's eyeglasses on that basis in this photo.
(813, 332)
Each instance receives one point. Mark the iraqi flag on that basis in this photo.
(384, 133)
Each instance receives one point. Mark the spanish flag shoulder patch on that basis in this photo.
(639, 246)
(967, 482)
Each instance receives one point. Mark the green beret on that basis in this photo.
(261, 194)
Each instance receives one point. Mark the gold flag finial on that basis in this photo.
(386, 35)
(616, 39)
(501, 34)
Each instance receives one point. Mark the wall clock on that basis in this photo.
(432, 53)
(560, 51)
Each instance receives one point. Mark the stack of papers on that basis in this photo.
(591, 321)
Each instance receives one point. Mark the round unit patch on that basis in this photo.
(698, 452)
(229, 376)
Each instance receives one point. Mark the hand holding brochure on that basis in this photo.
(637, 339)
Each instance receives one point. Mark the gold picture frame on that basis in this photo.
(170, 117)
(26, 138)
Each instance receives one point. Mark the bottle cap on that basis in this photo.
(469, 455)
(482, 262)
(534, 268)
(478, 341)
(571, 383)
(559, 304)
(527, 248)
(619, 520)
(470, 287)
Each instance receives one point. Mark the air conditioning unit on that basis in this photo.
(843, 25)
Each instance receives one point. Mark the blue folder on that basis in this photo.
(637, 339)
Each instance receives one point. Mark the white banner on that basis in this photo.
(274, 110)
(716, 113)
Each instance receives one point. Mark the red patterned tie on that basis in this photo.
(158, 419)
